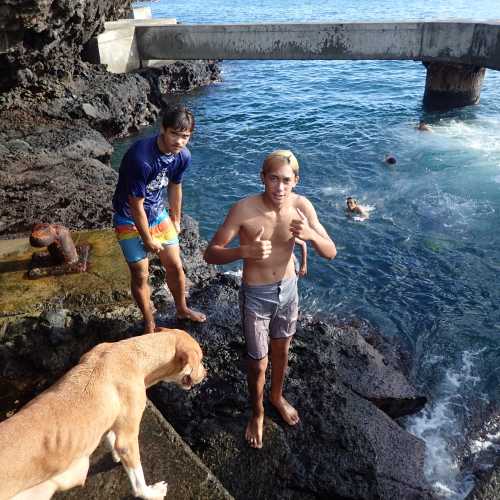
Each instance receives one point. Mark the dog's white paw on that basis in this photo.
(156, 491)
(116, 458)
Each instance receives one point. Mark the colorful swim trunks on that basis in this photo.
(268, 311)
(161, 229)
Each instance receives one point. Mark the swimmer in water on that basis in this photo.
(423, 127)
(352, 208)
(390, 160)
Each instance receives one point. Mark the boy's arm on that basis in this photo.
(174, 192)
(141, 223)
(307, 227)
(217, 253)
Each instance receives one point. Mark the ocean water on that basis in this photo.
(425, 266)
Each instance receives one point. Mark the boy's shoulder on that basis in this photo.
(185, 154)
(246, 205)
(248, 201)
(252, 199)
(142, 148)
(299, 201)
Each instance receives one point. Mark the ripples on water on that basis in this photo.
(425, 266)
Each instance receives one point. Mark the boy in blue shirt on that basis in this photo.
(141, 221)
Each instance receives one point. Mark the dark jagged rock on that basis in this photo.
(480, 456)
(53, 172)
(43, 40)
(488, 488)
(179, 76)
(114, 104)
(55, 153)
(374, 376)
(344, 447)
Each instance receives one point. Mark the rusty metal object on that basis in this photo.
(63, 257)
(57, 240)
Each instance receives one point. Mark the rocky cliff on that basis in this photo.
(44, 39)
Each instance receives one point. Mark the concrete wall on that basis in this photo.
(457, 42)
(141, 13)
(117, 47)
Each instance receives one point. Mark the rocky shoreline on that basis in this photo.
(59, 116)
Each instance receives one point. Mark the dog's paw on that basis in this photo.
(156, 491)
(116, 458)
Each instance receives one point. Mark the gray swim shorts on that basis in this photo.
(268, 311)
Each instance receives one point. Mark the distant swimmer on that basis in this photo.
(352, 208)
(390, 160)
(423, 127)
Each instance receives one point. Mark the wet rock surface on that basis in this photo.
(480, 456)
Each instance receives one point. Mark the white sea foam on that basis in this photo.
(439, 424)
(483, 135)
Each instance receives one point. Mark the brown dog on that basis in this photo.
(46, 446)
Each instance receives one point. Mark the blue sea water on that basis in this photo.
(425, 266)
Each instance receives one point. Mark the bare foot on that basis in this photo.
(254, 430)
(288, 413)
(191, 315)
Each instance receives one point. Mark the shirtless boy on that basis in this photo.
(267, 225)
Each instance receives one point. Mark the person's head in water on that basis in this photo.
(351, 204)
(177, 125)
(352, 208)
(390, 159)
(423, 127)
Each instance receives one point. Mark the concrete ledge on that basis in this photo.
(141, 13)
(165, 457)
(122, 23)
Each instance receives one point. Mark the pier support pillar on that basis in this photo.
(450, 86)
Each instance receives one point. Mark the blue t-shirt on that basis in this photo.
(145, 173)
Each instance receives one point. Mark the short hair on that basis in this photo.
(286, 156)
(178, 118)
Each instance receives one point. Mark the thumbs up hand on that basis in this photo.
(300, 227)
(258, 249)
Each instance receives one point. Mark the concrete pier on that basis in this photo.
(455, 53)
(467, 42)
(452, 85)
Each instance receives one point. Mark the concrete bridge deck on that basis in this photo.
(459, 42)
